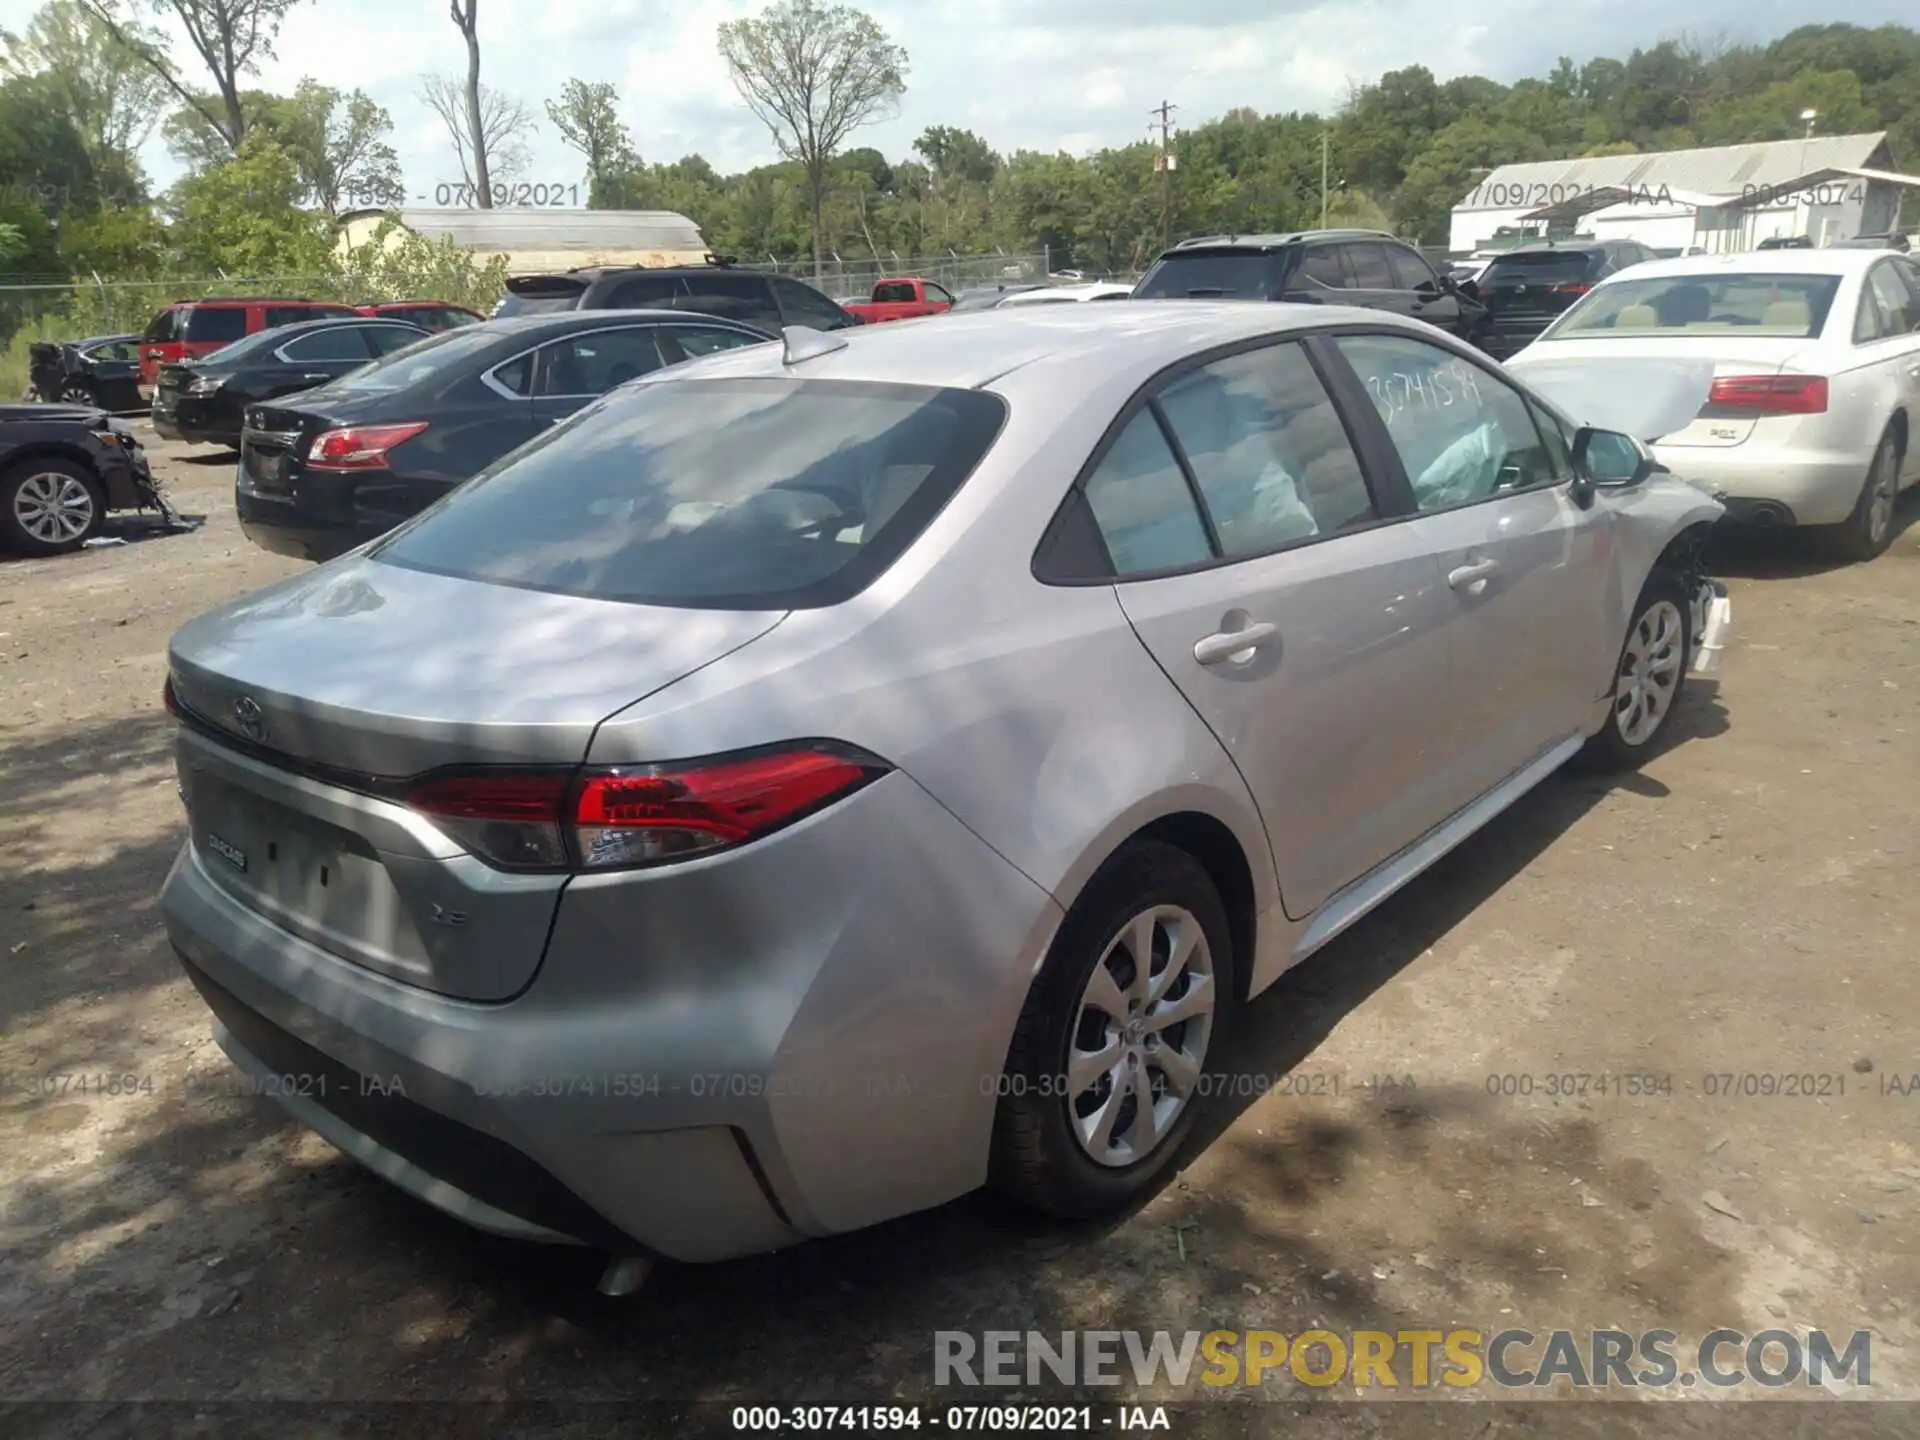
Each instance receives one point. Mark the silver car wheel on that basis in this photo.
(1140, 1036)
(1649, 672)
(54, 508)
(75, 393)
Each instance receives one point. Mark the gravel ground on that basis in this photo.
(1744, 907)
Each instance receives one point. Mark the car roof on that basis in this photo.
(1274, 240)
(977, 347)
(334, 322)
(1767, 262)
(559, 322)
(1563, 247)
(258, 300)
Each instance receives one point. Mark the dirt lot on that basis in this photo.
(1744, 907)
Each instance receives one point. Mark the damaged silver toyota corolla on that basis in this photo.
(823, 778)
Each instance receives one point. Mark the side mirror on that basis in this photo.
(1608, 459)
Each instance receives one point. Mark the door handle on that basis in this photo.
(1229, 643)
(1472, 577)
(316, 375)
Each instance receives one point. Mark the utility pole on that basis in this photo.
(1326, 147)
(1165, 163)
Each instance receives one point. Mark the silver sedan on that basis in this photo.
(819, 780)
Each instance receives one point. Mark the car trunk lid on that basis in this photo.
(1636, 364)
(307, 704)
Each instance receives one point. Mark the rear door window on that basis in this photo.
(1268, 451)
(745, 298)
(594, 363)
(749, 494)
(644, 292)
(893, 292)
(1325, 265)
(277, 315)
(341, 342)
(385, 339)
(1895, 303)
(163, 329)
(1370, 268)
(216, 323)
(697, 340)
(1143, 505)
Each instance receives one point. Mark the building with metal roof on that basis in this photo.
(541, 239)
(1728, 197)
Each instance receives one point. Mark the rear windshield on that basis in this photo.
(216, 322)
(419, 363)
(743, 494)
(1219, 275)
(1544, 267)
(1789, 305)
(511, 304)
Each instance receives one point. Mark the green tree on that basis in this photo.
(125, 242)
(813, 74)
(338, 140)
(42, 155)
(244, 218)
(106, 92)
(587, 115)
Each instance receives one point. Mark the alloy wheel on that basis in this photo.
(1650, 667)
(54, 508)
(1140, 1036)
(1885, 494)
(75, 393)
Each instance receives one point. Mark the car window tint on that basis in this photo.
(120, 350)
(217, 322)
(594, 363)
(1410, 270)
(892, 292)
(385, 339)
(1558, 442)
(162, 329)
(938, 294)
(756, 493)
(806, 306)
(698, 340)
(516, 375)
(342, 342)
(1267, 448)
(1462, 433)
(1896, 304)
(289, 314)
(1750, 303)
(1323, 266)
(1143, 504)
(1217, 274)
(1370, 269)
(1869, 322)
(744, 298)
(644, 292)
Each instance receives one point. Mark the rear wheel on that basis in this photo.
(1651, 673)
(1865, 534)
(76, 392)
(1106, 1069)
(51, 505)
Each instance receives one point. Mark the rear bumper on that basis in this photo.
(198, 421)
(1813, 487)
(284, 527)
(798, 1039)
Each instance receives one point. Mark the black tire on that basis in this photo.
(1037, 1158)
(1619, 744)
(41, 474)
(76, 392)
(1866, 533)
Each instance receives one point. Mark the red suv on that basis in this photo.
(434, 315)
(188, 329)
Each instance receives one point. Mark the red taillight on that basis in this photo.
(643, 815)
(358, 447)
(1770, 394)
(1573, 287)
(168, 699)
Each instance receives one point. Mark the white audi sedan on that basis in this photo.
(1816, 378)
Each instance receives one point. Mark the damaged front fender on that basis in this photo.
(1665, 523)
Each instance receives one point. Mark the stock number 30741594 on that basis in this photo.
(517, 192)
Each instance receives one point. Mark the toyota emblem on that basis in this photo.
(250, 718)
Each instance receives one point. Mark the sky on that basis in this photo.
(1071, 75)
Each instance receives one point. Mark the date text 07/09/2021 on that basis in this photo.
(510, 194)
(1032, 1419)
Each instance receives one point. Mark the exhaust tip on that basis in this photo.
(1769, 515)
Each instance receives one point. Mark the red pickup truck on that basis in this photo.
(900, 299)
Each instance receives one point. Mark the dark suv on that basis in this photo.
(766, 302)
(1322, 267)
(1532, 285)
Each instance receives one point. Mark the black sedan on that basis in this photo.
(62, 468)
(205, 401)
(103, 371)
(345, 463)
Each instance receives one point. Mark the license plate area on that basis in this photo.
(266, 469)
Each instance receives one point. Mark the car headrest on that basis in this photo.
(1637, 317)
(1787, 315)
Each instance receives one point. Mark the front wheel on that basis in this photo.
(1107, 1064)
(1651, 673)
(49, 506)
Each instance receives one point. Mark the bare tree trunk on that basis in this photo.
(816, 183)
(469, 23)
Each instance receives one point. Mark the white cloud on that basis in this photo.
(1041, 74)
